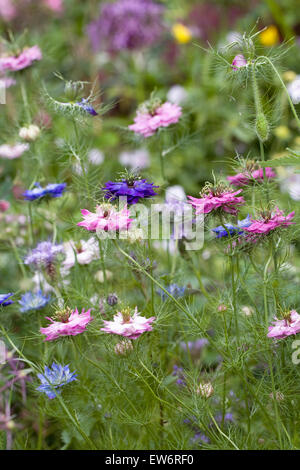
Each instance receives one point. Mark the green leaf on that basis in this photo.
(288, 160)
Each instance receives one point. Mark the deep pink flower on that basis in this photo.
(238, 62)
(266, 224)
(127, 326)
(146, 123)
(285, 327)
(242, 179)
(4, 205)
(74, 323)
(22, 61)
(225, 200)
(105, 218)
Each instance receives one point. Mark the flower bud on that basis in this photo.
(112, 299)
(222, 308)
(262, 127)
(123, 348)
(205, 390)
(29, 133)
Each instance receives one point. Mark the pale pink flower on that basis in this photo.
(285, 327)
(225, 200)
(147, 123)
(13, 151)
(6, 82)
(54, 5)
(266, 224)
(74, 324)
(22, 61)
(7, 10)
(238, 62)
(105, 218)
(127, 326)
(242, 179)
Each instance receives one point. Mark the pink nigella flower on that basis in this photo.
(4, 205)
(217, 198)
(54, 5)
(69, 323)
(22, 61)
(7, 10)
(268, 223)
(147, 121)
(285, 327)
(242, 179)
(127, 326)
(13, 151)
(105, 218)
(238, 62)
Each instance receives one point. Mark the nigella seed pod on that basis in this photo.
(112, 299)
(206, 390)
(71, 90)
(262, 127)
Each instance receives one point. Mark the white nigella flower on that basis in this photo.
(291, 185)
(96, 157)
(294, 90)
(135, 158)
(177, 94)
(85, 251)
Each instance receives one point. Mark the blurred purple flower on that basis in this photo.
(126, 24)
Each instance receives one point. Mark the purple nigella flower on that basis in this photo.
(54, 378)
(43, 255)
(134, 190)
(84, 104)
(194, 346)
(33, 301)
(231, 229)
(52, 190)
(126, 24)
(4, 299)
(200, 436)
(178, 372)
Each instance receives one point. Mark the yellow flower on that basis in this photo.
(282, 132)
(270, 36)
(181, 33)
(289, 76)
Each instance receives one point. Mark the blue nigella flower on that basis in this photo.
(55, 377)
(174, 290)
(133, 189)
(233, 230)
(52, 190)
(3, 299)
(84, 104)
(33, 301)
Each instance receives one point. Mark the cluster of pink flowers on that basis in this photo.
(266, 224)
(242, 179)
(105, 218)
(147, 123)
(22, 61)
(127, 326)
(225, 200)
(72, 323)
(285, 327)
